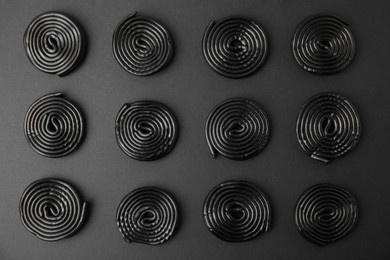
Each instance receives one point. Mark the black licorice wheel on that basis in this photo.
(235, 47)
(323, 44)
(328, 126)
(237, 128)
(141, 45)
(51, 209)
(325, 213)
(147, 215)
(54, 43)
(146, 130)
(237, 211)
(53, 126)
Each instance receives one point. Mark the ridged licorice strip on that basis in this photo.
(237, 128)
(235, 47)
(323, 44)
(237, 211)
(51, 209)
(54, 43)
(142, 46)
(53, 126)
(147, 215)
(328, 126)
(325, 213)
(146, 130)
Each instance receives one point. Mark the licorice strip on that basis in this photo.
(328, 126)
(54, 43)
(146, 130)
(53, 126)
(323, 44)
(235, 47)
(51, 209)
(237, 128)
(142, 46)
(147, 215)
(237, 211)
(325, 213)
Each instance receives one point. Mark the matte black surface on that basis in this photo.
(103, 174)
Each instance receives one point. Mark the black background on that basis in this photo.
(104, 174)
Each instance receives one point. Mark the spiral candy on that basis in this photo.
(328, 126)
(53, 126)
(141, 45)
(325, 213)
(235, 47)
(237, 128)
(237, 211)
(51, 209)
(146, 130)
(147, 215)
(54, 43)
(323, 44)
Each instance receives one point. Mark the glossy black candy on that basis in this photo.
(323, 44)
(235, 47)
(146, 130)
(325, 213)
(54, 43)
(237, 211)
(51, 209)
(237, 128)
(53, 126)
(328, 126)
(147, 215)
(142, 46)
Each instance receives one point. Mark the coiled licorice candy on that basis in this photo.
(141, 45)
(147, 215)
(328, 126)
(237, 128)
(51, 209)
(323, 44)
(146, 130)
(53, 126)
(325, 213)
(235, 47)
(237, 211)
(54, 43)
